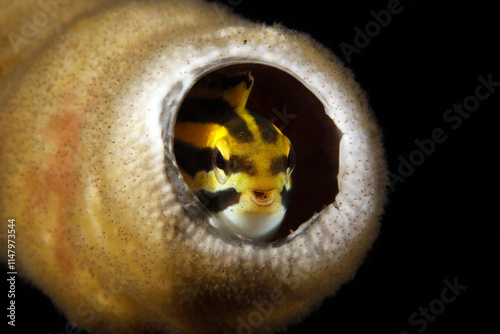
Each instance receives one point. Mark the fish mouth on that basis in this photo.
(263, 197)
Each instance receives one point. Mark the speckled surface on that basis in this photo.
(99, 227)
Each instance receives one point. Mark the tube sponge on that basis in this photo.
(105, 225)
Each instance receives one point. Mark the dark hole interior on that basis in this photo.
(297, 112)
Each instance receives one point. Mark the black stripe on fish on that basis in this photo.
(215, 81)
(220, 200)
(278, 165)
(267, 132)
(192, 159)
(241, 164)
(285, 197)
(215, 111)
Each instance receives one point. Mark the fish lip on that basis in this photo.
(263, 197)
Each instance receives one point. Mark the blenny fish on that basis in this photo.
(236, 162)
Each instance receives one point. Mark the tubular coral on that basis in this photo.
(104, 225)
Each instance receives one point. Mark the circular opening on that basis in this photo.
(299, 114)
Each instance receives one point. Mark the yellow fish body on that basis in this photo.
(236, 162)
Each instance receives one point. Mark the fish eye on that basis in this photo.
(290, 161)
(220, 162)
(221, 167)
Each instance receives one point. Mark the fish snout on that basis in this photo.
(263, 197)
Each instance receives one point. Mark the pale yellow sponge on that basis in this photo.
(106, 226)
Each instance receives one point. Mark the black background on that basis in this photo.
(440, 222)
